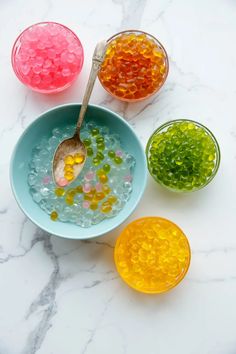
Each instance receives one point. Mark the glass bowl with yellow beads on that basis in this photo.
(135, 66)
(152, 255)
(183, 155)
(106, 191)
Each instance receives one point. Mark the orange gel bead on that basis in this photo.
(152, 255)
(135, 66)
(103, 178)
(99, 196)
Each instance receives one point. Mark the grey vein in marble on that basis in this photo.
(21, 116)
(132, 12)
(94, 330)
(45, 298)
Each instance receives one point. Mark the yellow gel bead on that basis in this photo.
(53, 215)
(79, 158)
(69, 176)
(93, 206)
(211, 157)
(93, 190)
(71, 192)
(68, 168)
(106, 207)
(79, 189)
(103, 178)
(69, 200)
(100, 172)
(88, 196)
(152, 255)
(112, 199)
(59, 192)
(69, 160)
(106, 189)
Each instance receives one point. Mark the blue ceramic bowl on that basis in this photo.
(42, 126)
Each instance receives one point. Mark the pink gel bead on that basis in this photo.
(86, 188)
(86, 204)
(99, 187)
(119, 153)
(47, 57)
(128, 178)
(89, 175)
(62, 182)
(46, 179)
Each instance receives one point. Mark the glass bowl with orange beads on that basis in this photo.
(152, 255)
(135, 66)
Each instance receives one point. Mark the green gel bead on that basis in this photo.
(101, 146)
(107, 168)
(111, 154)
(87, 142)
(96, 161)
(118, 160)
(100, 155)
(90, 151)
(94, 131)
(99, 139)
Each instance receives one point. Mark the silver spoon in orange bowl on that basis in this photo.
(73, 150)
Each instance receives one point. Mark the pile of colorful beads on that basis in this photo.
(183, 155)
(135, 66)
(152, 255)
(70, 162)
(102, 188)
(47, 57)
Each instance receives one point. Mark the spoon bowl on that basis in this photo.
(68, 147)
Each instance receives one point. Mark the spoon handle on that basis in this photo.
(97, 60)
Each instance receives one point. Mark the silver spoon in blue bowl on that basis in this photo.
(72, 151)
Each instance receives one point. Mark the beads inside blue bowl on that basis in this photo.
(102, 188)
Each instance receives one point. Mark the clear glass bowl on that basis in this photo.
(122, 78)
(47, 57)
(181, 168)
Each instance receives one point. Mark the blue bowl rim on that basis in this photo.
(62, 235)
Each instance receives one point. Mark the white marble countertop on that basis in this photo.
(64, 297)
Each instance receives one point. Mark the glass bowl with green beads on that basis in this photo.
(183, 155)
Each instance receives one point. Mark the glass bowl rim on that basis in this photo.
(166, 61)
(207, 130)
(152, 292)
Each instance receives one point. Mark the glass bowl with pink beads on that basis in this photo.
(47, 57)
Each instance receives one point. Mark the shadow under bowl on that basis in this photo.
(42, 127)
